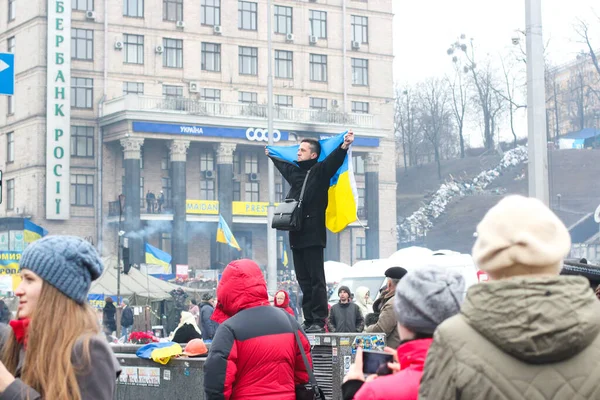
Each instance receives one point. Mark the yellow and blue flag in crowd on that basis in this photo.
(284, 256)
(224, 234)
(32, 232)
(158, 263)
(343, 195)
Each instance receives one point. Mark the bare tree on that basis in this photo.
(508, 94)
(458, 90)
(406, 125)
(483, 80)
(554, 102)
(583, 30)
(436, 115)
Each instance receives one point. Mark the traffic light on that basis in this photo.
(126, 261)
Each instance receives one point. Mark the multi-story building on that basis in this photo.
(170, 95)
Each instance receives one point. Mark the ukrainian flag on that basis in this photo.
(224, 234)
(284, 257)
(160, 259)
(343, 196)
(32, 232)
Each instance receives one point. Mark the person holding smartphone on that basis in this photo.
(424, 299)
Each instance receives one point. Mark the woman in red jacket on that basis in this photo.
(424, 299)
(282, 300)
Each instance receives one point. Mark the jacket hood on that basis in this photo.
(242, 286)
(361, 293)
(413, 352)
(537, 320)
(286, 301)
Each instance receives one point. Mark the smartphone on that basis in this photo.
(375, 362)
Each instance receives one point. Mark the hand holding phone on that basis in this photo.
(376, 362)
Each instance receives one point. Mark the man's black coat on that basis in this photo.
(315, 195)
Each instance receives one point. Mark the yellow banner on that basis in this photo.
(256, 209)
(206, 207)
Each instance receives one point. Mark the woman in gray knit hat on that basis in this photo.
(54, 350)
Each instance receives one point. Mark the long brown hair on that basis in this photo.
(57, 324)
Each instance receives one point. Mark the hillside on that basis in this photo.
(572, 174)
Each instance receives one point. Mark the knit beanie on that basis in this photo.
(520, 236)
(345, 289)
(427, 296)
(68, 263)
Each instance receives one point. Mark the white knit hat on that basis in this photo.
(521, 232)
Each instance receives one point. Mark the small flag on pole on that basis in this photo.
(224, 234)
(284, 257)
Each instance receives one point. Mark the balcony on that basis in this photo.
(182, 105)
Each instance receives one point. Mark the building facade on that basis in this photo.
(170, 95)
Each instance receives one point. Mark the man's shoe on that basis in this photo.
(305, 325)
(314, 328)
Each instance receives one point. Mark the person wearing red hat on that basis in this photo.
(282, 300)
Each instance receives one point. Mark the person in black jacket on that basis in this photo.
(108, 317)
(187, 329)
(308, 243)
(207, 307)
(346, 315)
(126, 319)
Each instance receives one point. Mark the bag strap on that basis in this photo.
(303, 187)
(311, 376)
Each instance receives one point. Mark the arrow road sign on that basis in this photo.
(7, 74)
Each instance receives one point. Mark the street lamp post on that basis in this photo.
(271, 233)
(536, 103)
(119, 235)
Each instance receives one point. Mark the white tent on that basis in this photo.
(335, 271)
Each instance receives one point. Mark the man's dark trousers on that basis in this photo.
(310, 273)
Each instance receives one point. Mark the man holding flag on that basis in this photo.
(308, 243)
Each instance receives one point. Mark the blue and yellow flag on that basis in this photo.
(32, 232)
(284, 256)
(224, 234)
(158, 263)
(343, 196)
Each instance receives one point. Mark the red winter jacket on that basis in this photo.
(286, 303)
(253, 354)
(405, 384)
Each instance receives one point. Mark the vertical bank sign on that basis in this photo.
(58, 110)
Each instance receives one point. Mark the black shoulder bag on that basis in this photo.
(302, 393)
(288, 215)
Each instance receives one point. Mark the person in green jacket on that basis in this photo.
(528, 333)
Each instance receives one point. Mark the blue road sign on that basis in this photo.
(7, 74)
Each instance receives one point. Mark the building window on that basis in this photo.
(251, 163)
(82, 92)
(12, 14)
(358, 163)
(82, 141)
(284, 64)
(210, 12)
(248, 60)
(360, 207)
(171, 91)
(248, 98)
(283, 19)
(247, 15)
(10, 44)
(10, 147)
(10, 105)
(360, 107)
(173, 53)
(133, 8)
(207, 190)
(142, 195)
(165, 161)
(237, 196)
(318, 104)
(82, 44)
(252, 192)
(173, 10)
(360, 29)
(360, 71)
(211, 57)
(166, 188)
(361, 248)
(82, 190)
(134, 49)
(318, 68)
(207, 160)
(82, 5)
(133, 88)
(10, 194)
(284, 101)
(237, 162)
(210, 94)
(318, 24)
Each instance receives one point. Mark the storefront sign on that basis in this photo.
(58, 110)
(9, 262)
(211, 207)
(182, 272)
(250, 133)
